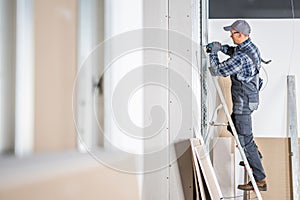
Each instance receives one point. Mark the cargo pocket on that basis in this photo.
(243, 125)
(253, 101)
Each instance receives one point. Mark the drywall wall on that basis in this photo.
(167, 73)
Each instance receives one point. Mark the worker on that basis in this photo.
(243, 67)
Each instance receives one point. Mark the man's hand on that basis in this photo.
(213, 71)
(213, 47)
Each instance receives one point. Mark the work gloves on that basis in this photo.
(213, 71)
(213, 47)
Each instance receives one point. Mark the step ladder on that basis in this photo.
(225, 108)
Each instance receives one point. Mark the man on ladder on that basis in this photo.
(243, 68)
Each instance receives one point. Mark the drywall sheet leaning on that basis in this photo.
(223, 162)
(206, 168)
(200, 192)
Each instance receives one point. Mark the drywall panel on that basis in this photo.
(276, 162)
(206, 167)
(181, 173)
(180, 69)
(171, 93)
(223, 163)
(277, 40)
(156, 179)
(277, 165)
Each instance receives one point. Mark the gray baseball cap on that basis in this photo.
(240, 26)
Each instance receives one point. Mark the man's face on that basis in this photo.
(235, 35)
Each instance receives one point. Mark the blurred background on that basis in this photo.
(43, 44)
(60, 135)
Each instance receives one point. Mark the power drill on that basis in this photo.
(230, 49)
(209, 47)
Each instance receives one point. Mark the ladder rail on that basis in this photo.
(293, 133)
(221, 96)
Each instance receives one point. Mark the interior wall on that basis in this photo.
(55, 69)
(180, 67)
(168, 64)
(156, 184)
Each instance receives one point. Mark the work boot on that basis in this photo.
(262, 186)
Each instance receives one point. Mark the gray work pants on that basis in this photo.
(243, 125)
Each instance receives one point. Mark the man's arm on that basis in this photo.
(230, 66)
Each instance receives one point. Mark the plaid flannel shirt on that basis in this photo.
(239, 62)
